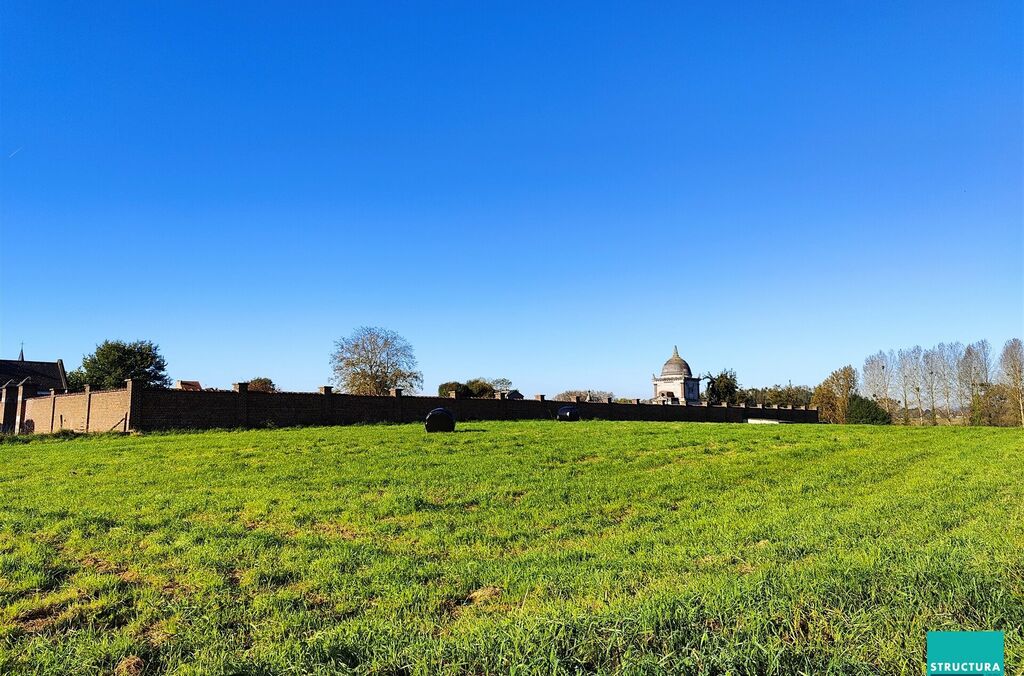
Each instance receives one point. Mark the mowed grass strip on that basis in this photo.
(509, 547)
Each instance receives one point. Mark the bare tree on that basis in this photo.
(949, 354)
(931, 368)
(948, 377)
(954, 356)
(1011, 372)
(373, 361)
(916, 367)
(984, 361)
(966, 381)
(974, 375)
(907, 379)
(877, 379)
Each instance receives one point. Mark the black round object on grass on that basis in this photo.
(568, 414)
(440, 420)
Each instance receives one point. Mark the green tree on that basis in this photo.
(993, 405)
(585, 395)
(777, 395)
(77, 380)
(115, 361)
(262, 384)
(446, 389)
(832, 396)
(501, 384)
(864, 411)
(723, 388)
(480, 388)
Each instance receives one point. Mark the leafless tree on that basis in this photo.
(1011, 372)
(907, 379)
(931, 368)
(955, 355)
(373, 361)
(949, 356)
(916, 367)
(965, 381)
(984, 352)
(877, 379)
(974, 374)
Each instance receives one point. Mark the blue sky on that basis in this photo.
(552, 194)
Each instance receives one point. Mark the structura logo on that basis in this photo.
(965, 652)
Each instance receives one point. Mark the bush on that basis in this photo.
(262, 384)
(446, 389)
(864, 411)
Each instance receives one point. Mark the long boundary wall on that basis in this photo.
(137, 408)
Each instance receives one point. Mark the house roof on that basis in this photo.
(44, 375)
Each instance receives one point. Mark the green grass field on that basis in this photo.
(509, 547)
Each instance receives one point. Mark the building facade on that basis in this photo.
(676, 384)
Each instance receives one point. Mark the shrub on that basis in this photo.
(864, 411)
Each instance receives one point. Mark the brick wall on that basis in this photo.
(108, 411)
(88, 411)
(159, 409)
(181, 409)
(68, 414)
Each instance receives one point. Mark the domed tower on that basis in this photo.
(676, 383)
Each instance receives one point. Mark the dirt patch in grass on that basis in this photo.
(133, 665)
(483, 595)
(100, 565)
(39, 619)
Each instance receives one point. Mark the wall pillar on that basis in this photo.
(88, 405)
(8, 409)
(53, 407)
(19, 411)
(325, 404)
(243, 403)
(396, 393)
(133, 416)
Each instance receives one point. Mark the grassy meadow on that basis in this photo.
(509, 548)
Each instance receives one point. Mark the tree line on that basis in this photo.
(480, 388)
(949, 383)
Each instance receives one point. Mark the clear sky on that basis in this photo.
(555, 193)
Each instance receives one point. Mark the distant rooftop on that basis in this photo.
(43, 375)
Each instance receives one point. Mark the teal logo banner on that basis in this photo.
(966, 653)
